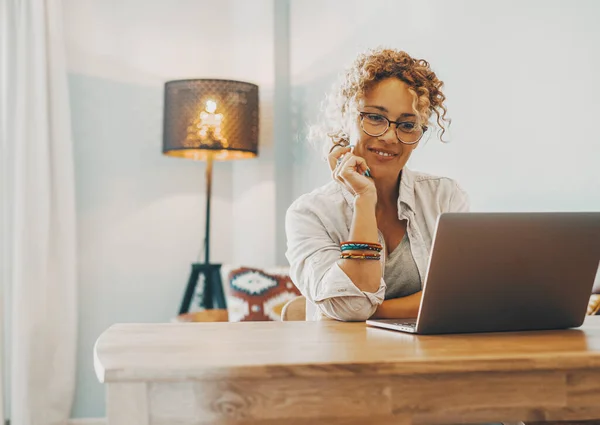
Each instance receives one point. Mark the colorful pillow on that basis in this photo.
(594, 305)
(255, 294)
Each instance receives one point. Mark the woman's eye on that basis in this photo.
(375, 118)
(407, 126)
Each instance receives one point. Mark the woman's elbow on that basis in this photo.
(347, 309)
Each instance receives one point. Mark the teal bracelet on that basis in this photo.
(359, 246)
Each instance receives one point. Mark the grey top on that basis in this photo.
(401, 274)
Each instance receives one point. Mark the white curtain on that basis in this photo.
(4, 270)
(37, 244)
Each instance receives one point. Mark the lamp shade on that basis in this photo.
(210, 118)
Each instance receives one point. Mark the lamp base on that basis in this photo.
(212, 295)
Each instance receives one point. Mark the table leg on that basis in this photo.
(127, 403)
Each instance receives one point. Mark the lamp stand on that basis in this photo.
(212, 295)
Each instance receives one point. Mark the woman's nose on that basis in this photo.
(389, 136)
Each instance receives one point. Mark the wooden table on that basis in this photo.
(301, 373)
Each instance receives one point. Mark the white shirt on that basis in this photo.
(317, 222)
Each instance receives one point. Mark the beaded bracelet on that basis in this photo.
(350, 246)
(359, 247)
(360, 257)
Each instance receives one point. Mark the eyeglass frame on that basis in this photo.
(390, 122)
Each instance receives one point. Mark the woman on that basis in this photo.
(358, 247)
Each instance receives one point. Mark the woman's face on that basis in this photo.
(385, 154)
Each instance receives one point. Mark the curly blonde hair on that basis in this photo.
(369, 68)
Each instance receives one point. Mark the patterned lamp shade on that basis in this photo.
(210, 118)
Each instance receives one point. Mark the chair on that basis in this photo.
(215, 315)
(594, 305)
(294, 310)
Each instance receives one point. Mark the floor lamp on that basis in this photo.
(209, 120)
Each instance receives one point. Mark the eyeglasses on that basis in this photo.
(407, 132)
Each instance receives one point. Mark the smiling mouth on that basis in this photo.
(383, 154)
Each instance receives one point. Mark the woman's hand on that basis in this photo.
(349, 170)
(399, 308)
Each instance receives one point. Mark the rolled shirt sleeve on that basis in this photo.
(313, 256)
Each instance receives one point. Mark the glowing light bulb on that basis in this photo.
(211, 106)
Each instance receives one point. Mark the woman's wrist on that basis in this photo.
(366, 200)
(399, 308)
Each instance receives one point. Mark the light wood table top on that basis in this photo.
(209, 351)
(306, 373)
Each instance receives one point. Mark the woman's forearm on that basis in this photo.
(365, 274)
(399, 308)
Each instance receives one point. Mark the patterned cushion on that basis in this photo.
(594, 305)
(257, 294)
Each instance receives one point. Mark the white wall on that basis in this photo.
(141, 214)
(521, 82)
(515, 70)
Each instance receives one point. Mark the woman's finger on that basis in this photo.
(335, 155)
(342, 159)
(352, 164)
(347, 184)
(338, 168)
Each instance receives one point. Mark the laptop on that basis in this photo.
(494, 272)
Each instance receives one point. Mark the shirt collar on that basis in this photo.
(407, 189)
